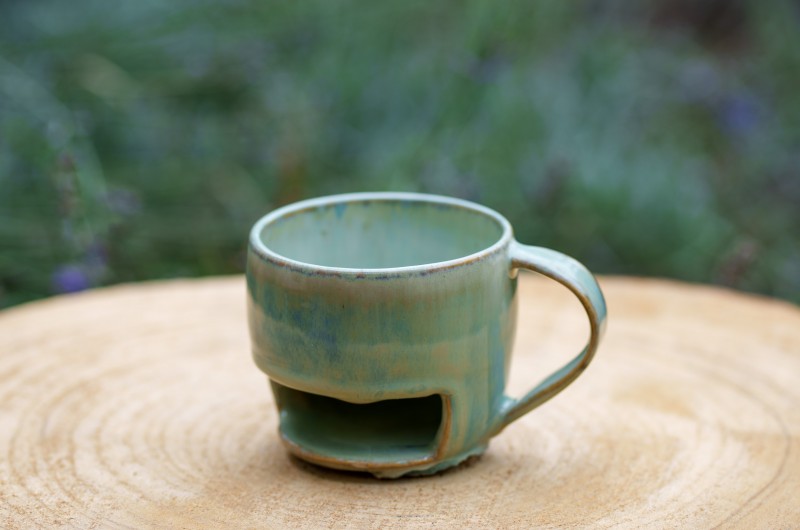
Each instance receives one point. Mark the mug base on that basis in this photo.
(444, 465)
(384, 469)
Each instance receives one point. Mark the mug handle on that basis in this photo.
(577, 278)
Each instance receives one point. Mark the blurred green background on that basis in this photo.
(141, 140)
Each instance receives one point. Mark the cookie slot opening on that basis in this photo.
(389, 430)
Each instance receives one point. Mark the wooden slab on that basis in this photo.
(139, 406)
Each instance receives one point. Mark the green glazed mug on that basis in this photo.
(385, 322)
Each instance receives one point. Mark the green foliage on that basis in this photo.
(141, 140)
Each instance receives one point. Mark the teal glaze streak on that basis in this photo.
(364, 298)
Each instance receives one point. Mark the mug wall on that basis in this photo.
(401, 335)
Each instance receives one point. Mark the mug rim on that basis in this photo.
(264, 252)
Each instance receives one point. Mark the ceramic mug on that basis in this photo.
(385, 323)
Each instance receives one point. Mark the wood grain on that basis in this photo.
(139, 406)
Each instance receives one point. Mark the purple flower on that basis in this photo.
(739, 115)
(70, 279)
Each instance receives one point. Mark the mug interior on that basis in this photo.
(380, 233)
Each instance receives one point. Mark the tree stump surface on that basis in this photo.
(139, 406)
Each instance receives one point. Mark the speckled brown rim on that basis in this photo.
(263, 251)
